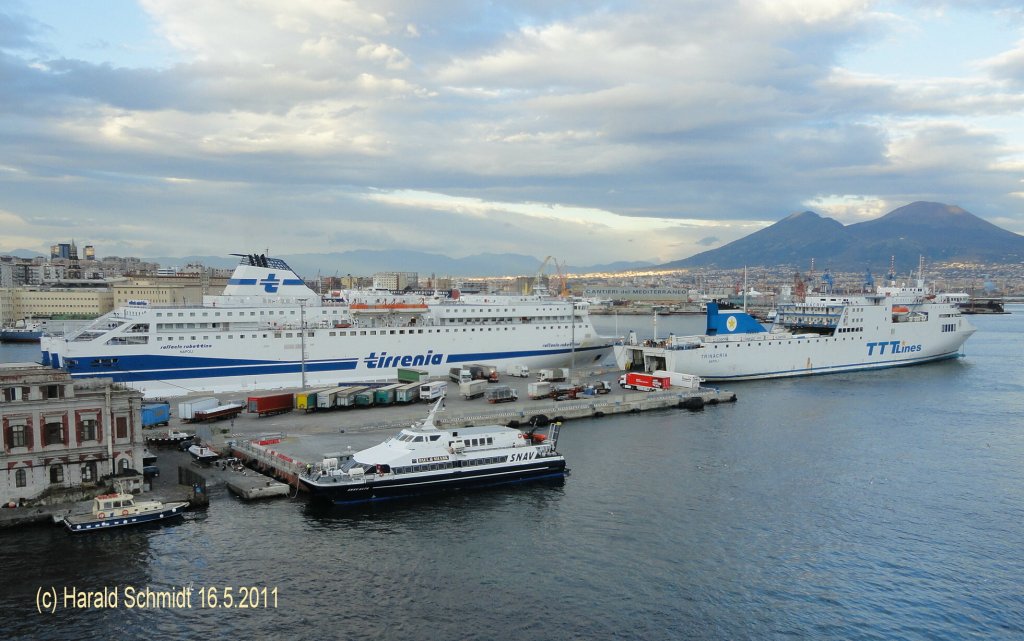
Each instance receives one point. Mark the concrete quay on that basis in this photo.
(281, 446)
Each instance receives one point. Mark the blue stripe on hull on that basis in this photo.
(834, 369)
(123, 521)
(138, 369)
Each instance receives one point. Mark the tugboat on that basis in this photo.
(121, 509)
(424, 459)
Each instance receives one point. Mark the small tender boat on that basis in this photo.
(120, 509)
(203, 454)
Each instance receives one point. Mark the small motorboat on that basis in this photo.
(121, 509)
(203, 454)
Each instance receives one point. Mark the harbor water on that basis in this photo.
(885, 505)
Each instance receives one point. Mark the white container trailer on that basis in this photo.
(522, 371)
(347, 396)
(433, 390)
(328, 399)
(187, 410)
(685, 381)
(408, 393)
(473, 389)
(540, 389)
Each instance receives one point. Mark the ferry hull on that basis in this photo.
(92, 524)
(350, 494)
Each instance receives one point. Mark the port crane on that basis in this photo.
(563, 286)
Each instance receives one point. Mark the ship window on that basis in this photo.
(434, 437)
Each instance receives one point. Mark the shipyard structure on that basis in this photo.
(61, 437)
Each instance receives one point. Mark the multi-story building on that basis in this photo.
(60, 437)
(395, 281)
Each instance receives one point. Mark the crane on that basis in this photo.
(563, 289)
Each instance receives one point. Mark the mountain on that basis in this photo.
(936, 231)
(365, 262)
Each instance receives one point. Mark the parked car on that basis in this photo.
(150, 472)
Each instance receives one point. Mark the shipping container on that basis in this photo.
(306, 400)
(218, 413)
(502, 394)
(644, 382)
(187, 409)
(408, 393)
(386, 395)
(327, 399)
(540, 389)
(473, 389)
(433, 391)
(347, 396)
(155, 414)
(270, 404)
(407, 375)
(364, 398)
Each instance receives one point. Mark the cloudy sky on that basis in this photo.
(591, 131)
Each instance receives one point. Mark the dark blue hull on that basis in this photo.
(409, 486)
(122, 521)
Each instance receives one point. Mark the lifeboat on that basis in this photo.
(900, 310)
(538, 438)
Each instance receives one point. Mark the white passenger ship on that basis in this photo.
(269, 330)
(424, 459)
(894, 327)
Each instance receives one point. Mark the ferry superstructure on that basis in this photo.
(425, 459)
(269, 330)
(895, 326)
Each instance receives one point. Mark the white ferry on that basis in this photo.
(824, 334)
(424, 459)
(269, 330)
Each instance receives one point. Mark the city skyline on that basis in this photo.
(625, 131)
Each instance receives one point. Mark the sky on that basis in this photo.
(588, 131)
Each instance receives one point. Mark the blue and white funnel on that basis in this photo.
(258, 275)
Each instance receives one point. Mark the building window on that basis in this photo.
(122, 427)
(122, 465)
(53, 433)
(20, 478)
(18, 436)
(89, 429)
(88, 471)
(56, 474)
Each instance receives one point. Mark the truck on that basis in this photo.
(347, 397)
(408, 393)
(540, 389)
(187, 409)
(553, 374)
(386, 395)
(218, 413)
(686, 381)
(644, 382)
(521, 371)
(502, 394)
(460, 375)
(406, 375)
(155, 414)
(489, 372)
(473, 389)
(269, 404)
(433, 391)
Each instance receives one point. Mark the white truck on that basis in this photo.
(473, 389)
(521, 371)
(554, 374)
(540, 389)
(685, 381)
(433, 390)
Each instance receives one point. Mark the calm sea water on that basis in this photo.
(862, 506)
